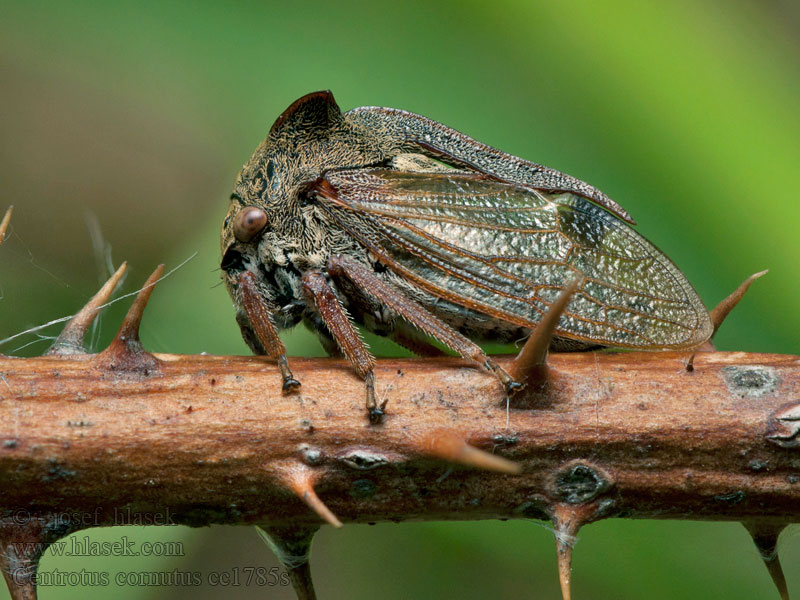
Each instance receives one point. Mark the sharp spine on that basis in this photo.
(530, 366)
(4, 223)
(70, 341)
(126, 353)
(302, 484)
(292, 546)
(720, 312)
(451, 446)
(765, 537)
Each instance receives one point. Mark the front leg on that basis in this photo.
(265, 331)
(320, 294)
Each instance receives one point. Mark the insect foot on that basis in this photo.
(289, 382)
(375, 410)
(125, 354)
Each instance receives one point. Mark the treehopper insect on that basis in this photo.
(386, 219)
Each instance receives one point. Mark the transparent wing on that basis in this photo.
(507, 251)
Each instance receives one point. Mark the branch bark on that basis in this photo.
(126, 436)
(213, 439)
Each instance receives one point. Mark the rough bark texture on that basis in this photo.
(213, 440)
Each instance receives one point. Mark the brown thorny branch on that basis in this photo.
(212, 439)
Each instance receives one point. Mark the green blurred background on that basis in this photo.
(124, 125)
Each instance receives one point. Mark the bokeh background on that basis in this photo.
(123, 125)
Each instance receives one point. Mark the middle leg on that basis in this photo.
(369, 283)
(319, 292)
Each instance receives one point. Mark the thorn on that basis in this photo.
(129, 332)
(70, 341)
(4, 223)
(292, 547)
(530, 366)
(567, 521)
(719, 313)
(302, 483)
(722, 309)
(22, 545)
(765, 536)
(20, 574)
(449, 445)
(126, 353)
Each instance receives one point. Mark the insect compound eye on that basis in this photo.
(248, 222)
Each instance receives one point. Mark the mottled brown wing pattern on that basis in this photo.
(506, 250)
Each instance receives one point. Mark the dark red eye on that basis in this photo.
(248, 222)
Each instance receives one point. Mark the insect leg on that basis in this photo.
(265, 331)
(325, 338)
(415, 314)
(413, 341)
(318, 291)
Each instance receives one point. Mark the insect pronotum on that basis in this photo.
(385, 219)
